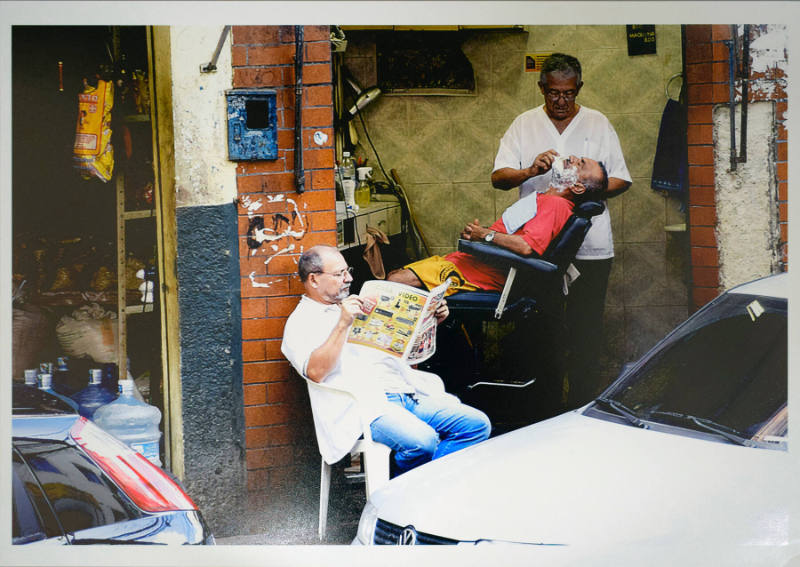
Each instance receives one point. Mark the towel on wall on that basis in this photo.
(670, 165)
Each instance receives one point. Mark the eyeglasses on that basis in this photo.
(555, 95)
(339, 274)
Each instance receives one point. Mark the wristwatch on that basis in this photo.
(489, 236)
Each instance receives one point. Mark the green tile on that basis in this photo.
(638, 137)
(546, 39)
(590, 38)
(473, 152)
(429, 145)
(644, 273)
(644, 212)
(434, 207)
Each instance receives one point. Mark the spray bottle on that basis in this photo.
(364, 189)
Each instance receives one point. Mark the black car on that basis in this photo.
(75, 484)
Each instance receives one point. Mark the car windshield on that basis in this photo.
(724, 371)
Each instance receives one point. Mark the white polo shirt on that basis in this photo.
(589, 134)
(364, 372)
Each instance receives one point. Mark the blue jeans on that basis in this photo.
(420, 429)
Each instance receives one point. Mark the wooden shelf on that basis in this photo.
(69, 298)
(129, 215)
(136, 118)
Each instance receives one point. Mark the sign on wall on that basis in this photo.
(641, 39)
(534, 61)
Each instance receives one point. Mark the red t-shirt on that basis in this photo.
(552, 213)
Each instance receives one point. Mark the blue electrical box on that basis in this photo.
(252, 124)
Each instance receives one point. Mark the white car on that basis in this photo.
(682, 460)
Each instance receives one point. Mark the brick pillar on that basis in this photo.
(706, 84)
(275, 225)
(706, 59)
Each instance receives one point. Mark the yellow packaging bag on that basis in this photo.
(93, 154)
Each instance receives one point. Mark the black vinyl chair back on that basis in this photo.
(564, 247)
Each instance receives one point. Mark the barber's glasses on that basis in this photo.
(554, 95)
(340, 274)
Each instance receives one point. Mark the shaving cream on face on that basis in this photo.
(564, 175)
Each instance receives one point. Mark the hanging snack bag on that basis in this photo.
(93, 154)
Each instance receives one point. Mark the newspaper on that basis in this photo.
(401, 322)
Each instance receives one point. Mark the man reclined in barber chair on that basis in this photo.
(526, 228)
(537, 236)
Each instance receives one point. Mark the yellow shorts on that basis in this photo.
(435, 270)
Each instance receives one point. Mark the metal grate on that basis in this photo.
(389, 534)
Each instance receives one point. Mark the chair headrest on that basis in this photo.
(589, 208)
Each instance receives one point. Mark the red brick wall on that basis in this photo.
(706, 59)
(279, 430)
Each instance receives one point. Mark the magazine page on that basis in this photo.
(397, 314)
(424, 344)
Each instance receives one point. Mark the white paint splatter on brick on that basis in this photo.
(259, 284)
(269, 234)
(769, 49)
(289, 248)
(251, 206)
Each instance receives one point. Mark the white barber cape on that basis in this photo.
(589, 134)
(338, 420)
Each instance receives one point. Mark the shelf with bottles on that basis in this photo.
(351, 226)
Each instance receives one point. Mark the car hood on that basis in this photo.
(577, 480)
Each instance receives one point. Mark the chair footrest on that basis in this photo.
(485, 302)
(504, 383)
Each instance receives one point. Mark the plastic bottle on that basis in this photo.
(363, 191)
(94, 395)
(133, 422)
(337, 179)
(46, 384)
(45, 368)
(348, 171)
(32, 377)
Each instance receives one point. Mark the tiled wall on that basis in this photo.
(443, 149)
(707, 79)
(279, 429)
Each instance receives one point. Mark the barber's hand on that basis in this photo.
(442, 311)
(474, 231)
(542, 163)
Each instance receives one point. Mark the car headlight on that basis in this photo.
(366, 525)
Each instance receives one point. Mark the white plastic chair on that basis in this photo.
(375, 457)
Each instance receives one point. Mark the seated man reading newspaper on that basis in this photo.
(526, 228)
(407, 409)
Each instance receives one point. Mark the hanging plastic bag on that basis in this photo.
(93, 154)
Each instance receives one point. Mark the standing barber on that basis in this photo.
(560, 127)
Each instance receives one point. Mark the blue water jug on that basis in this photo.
(46, 384)
(133, 422)
(94, 395)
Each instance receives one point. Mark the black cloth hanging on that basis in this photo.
(670, 165)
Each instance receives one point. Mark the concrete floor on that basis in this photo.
(291, 518)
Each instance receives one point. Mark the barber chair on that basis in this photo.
(503, 352)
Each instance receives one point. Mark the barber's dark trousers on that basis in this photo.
(586, 339)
